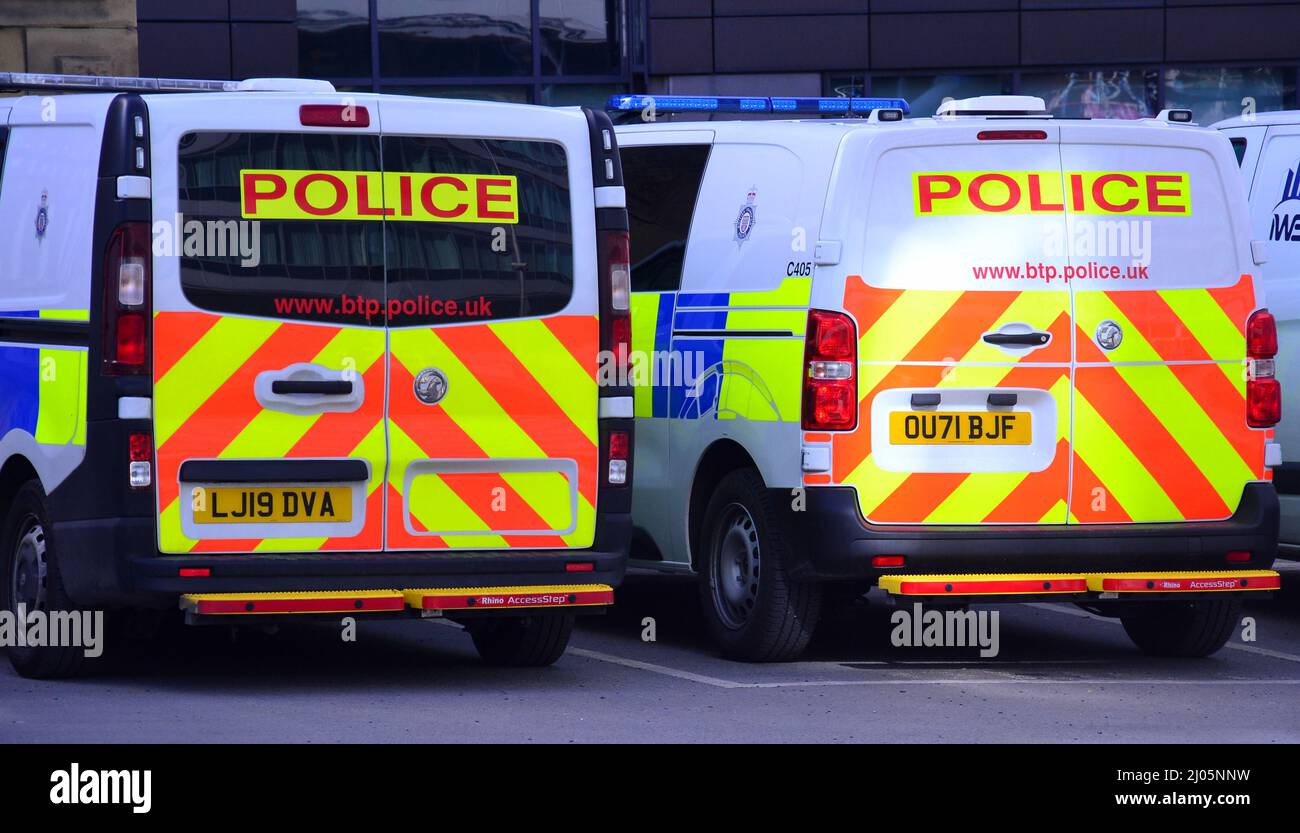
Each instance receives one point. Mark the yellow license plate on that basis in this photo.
(273, 505)
(960, 428)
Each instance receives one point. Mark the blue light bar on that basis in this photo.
(666, 104)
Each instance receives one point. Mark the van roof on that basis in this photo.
(749, 129)
(1260, 119)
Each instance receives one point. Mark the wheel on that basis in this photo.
(522, 642)
(32, 580)
(1185, 629)
(754, 611)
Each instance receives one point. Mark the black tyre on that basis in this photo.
(1184, 629)
(522, 642)
(754, 611)
(32, 579)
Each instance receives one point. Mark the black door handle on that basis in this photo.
(322, 387)
(1034, 339)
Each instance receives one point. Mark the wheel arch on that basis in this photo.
(718, 460)
(16, 471)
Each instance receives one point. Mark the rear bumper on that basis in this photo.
(114, 563)
(840, 544)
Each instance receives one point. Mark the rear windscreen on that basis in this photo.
(339, 228)
(1038, 216)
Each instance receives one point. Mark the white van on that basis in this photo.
(989, 355)
(268, 349)
(1268, 148)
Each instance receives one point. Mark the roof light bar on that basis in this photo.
(667, 104)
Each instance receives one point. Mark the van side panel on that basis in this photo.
(52, 153)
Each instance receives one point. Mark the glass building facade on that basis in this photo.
(541, 51)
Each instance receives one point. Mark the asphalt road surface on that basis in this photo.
(1061, 676)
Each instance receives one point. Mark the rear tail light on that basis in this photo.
(888, 561)
(1020, 135)
(620, 450)
(616, 271)
(127, 279)
(830, 396)
(1263, 392)
(1238, 556)
(140, 461)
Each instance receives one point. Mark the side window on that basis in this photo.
(1239, 148)
(662, 185)
(262, 230)
(493, 236)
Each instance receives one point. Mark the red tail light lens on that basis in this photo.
(618, 452)
(616, 271)
(1021, 135)
(128, 269)
(1263, 392)
(140, 461)
(1261, 335)
(830, 400)
(1263, 403)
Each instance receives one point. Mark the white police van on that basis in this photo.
(269, 349)
(989, 355)
(1268, 148)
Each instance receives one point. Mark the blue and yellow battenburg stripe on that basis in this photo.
(43, 386)
(732, 365)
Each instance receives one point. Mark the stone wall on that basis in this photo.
(78, 37)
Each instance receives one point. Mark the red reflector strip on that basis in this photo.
(579, 567)
(229, 604)
(1186, 582)
(195, 572)
(488, 598)
(983, 585)
(887, 561)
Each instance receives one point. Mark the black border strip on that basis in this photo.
(56, 331)
(274, 471)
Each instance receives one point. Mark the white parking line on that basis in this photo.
(718, 682)
(1236, 646)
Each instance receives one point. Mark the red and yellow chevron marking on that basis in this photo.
(1159, 423)
(522, 399)
(1156, 431)
(899, 329)
(205, 366)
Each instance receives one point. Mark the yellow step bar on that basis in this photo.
(1065, 584)
(480, 598)
(388, 601)
(307, 601)
(994, 584)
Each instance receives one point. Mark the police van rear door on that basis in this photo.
(493, 329)
(1161, 299)
(268, 362)
(963, 322)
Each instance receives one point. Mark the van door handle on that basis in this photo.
(1034, 339)
(321, 387)
(306, 388)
